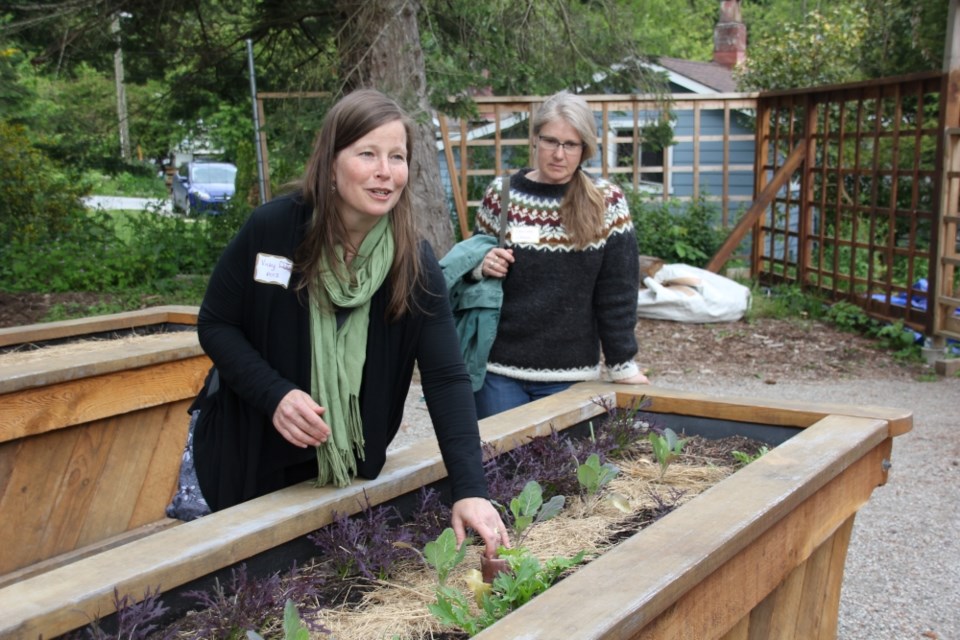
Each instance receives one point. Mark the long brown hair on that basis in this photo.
(583, 207)
(352, 117)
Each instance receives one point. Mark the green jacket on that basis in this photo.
(475, 303)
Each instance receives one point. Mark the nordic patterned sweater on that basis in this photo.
(562, 304)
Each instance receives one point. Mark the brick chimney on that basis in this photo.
(730, 36)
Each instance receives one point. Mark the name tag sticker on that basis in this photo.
(273, 269)
(525, 235)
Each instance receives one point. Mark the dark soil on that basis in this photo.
(19, 309)
(766, 349)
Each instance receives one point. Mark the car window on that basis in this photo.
(184, 171)
(213, 174)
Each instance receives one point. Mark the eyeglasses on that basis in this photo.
(552, 144)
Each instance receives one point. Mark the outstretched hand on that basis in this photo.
(481, 516)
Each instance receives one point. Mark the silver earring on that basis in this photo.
(333, 188)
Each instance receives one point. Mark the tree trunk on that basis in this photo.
(382, 50)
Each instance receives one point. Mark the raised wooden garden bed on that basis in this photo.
(761, 554)
(91, 433)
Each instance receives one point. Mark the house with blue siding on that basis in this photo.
(712, 155)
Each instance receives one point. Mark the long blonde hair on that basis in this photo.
(354, 116)
(583, 207)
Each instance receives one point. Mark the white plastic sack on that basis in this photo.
(689, 294)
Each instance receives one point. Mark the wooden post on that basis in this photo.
(946, 260)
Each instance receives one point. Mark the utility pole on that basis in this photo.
(257, 139)
(121, 91)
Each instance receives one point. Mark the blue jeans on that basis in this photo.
(500, 393)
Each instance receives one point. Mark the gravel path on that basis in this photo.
(902, 578)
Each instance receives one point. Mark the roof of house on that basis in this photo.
(698, 77)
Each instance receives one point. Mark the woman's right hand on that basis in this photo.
(298, 420)
(497, 262)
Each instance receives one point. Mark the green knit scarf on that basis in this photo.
(339, 354)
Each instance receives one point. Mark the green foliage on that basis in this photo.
(293, 626)
(443, 554)
(840, 41)
(784, 301)
(822, 48)
(667, 447)
(528, 48)
(526, 579)
(675, 231)
(848, 316)
(89, 254)
(528, 508)
(743, 459)
(898, 338)
(659, 134)
(909, 36)
(676, 29)
(37, 199)
(139, 181)
(88, 138)
(593, 476)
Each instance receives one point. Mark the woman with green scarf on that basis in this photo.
(314, 318)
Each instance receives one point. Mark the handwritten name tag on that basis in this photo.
(273, 269)
(525, 235)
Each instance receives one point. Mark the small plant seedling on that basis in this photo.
(528, 508)
(443, 554)
(526, 579)
(743, 459)
(593, 476)
(666, 448)
(510, 589)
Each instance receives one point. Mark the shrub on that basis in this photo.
(37, 199)
(674, 231)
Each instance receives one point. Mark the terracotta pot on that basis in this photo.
(490, 567)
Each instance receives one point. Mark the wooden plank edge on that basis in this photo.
(175, 314)
(785, 413)
(107, 358)
(32, 412)
(100, 546)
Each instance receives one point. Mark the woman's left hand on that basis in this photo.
(497, 262)
(481, 516)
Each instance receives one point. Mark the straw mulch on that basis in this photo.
(398, 609)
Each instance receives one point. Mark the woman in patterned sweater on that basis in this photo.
(569, 268)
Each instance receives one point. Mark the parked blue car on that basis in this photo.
(203, 186)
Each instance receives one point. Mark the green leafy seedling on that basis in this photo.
(526, 579)
(743, 459)
(529, 508)
(443, 555)
(593, 476)
(666, 448)
(293, 626)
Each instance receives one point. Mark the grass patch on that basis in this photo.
(143, 184)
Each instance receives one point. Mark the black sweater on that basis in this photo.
(561, 304)
(258, 337)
